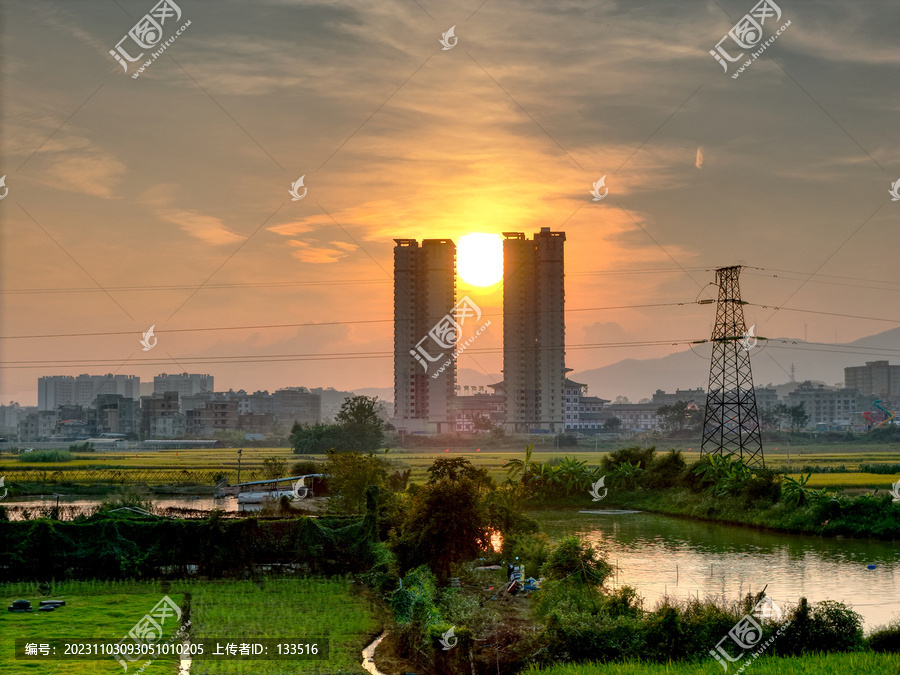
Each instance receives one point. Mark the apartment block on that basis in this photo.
(185, 384)
(424, 296)
(57, 390)
(534, 331)
(876, 379)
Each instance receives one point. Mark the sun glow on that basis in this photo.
(479, 258)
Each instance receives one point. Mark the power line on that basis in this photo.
(266, 358)
(830, 283)
(813, 311)
(188, 287)
(276, 358)
(324, 323)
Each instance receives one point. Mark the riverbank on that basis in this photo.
(875, 517)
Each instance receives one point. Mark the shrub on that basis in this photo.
(765, 485)
(691, 475)
(87, 446)
(631, 454)
(664, 470)
(885, 638)
(624, 601)
(46, 456)
(827, 626)
(578, 560)
(664, 635)
(398, 481)
(306, 466)
(532, 550)
(349, 473)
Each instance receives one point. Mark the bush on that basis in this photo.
(631, 454)
(664, 471)
(307, 466)
(691, 475)
(87, 446)
(885, 638)
(624, 601)
(349, 473)
(577, 560)
(827, 626)
(46, 456)
(765, 485)
(532, 550)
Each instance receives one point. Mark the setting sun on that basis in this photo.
(480, 258)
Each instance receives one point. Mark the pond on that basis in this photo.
(659, 554)
(199, 502)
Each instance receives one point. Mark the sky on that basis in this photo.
(163, 199)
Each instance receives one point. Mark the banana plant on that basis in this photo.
(795, 491)
(517, 469)
(628, 474)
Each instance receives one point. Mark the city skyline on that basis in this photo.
(164, 200)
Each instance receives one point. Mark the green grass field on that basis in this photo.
(824, 664)
(93, 610)
(234, 610)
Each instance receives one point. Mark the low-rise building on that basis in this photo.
(158, 407)
(827, 407)
(214, 416)
(469, 409)
(296, 404)
(582, 412)
(635, 416)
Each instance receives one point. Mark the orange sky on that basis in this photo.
(151, 188)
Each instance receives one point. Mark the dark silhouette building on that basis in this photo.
(534, 331)
(424, 300)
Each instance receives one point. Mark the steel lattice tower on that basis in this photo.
(731, 422)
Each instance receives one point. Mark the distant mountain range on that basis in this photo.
(771, 362)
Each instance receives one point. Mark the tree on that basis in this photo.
(446, 524)
(455, 468)
(349, 474)
(612, 424)
(577, 560)
(314, 438)
(274, 467)
(362, 428)
(483, 424)
(798, 417)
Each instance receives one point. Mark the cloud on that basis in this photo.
(294, 228)
(94, 173)
(312, 254)
(699, 162)
(205, 228)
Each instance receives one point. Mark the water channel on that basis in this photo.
(661, 554)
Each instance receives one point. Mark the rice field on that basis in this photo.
(164, 466)
(289, 609)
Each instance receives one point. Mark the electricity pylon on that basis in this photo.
(731, 421)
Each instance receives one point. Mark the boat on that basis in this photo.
(292, 487)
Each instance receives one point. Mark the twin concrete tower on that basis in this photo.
(428, 319)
